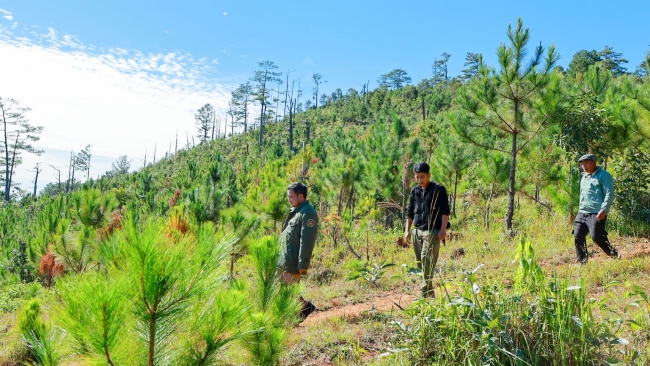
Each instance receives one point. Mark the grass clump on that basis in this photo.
(538, 320)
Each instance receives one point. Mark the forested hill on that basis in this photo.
(355, 149)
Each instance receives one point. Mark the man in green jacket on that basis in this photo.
(596, 197)
(299, 233)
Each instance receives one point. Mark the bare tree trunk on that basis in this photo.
(263, 107)
(350, 198)
(59, 178)
(13, 162)
(286, 96)
(6, 146)
(340, 208)
(290, 127)
(214, 123)
(38, 171)
(152, 337)
(453, 207)
(67, 183)
(277, 103)
(246, 115)
(72, 179)
(511, 191)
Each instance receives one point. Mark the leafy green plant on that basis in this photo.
(43, 341)
(371, 273)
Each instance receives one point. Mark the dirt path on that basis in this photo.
(628, 247)
(382, 303)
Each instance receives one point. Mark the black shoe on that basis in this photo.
(307, 309)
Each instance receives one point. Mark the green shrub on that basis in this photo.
(12, 296)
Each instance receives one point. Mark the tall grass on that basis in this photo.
(535, 320)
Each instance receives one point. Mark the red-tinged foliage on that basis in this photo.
(115, 223)
(49, 268)
(175, 197)
(402, 243)
(178, 224)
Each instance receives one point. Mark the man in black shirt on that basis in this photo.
(428, 212)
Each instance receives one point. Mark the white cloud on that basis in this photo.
(7, 14)
(225, 13)
(123, 102)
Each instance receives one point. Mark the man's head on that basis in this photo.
(297, 193)
(588, 163)
(422, 175)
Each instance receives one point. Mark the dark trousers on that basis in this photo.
(588, 223)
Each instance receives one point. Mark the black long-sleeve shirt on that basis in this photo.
(427, 206)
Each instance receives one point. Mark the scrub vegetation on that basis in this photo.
(175, 263)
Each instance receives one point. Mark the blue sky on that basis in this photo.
(109, 72)
(346, 41)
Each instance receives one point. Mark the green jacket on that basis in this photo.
(596, 191)
(298, 237)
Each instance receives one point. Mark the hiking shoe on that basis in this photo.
(307, 309)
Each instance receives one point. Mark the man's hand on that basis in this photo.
(407, 237)
(601, 215)
(442, 234)
(302, 271)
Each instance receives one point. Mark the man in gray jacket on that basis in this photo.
(299, 233)
(596, 197)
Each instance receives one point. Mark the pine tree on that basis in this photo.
(514, 102)
(204, 120)
(263, 77)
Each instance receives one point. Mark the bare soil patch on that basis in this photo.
(628, 248)
(382, 304)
